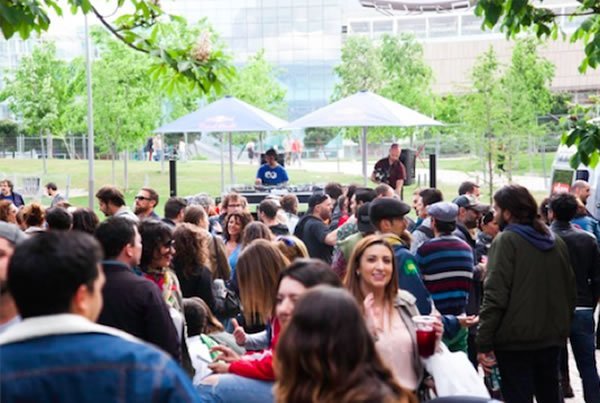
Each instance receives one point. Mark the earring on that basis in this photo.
(357, 273)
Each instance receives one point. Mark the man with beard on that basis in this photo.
(528, 301)
(313, 230)
(10, 236)
(145, 203)
(469, 214)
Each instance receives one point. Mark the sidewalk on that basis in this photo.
(533, 183)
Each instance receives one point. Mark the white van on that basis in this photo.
(563, 177)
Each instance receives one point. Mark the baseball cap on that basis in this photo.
(443, 211)
(11, 233)
(469, 201)
(316, 199)
(363, 222)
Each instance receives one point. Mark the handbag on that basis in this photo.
(454, 375)
(227, 303)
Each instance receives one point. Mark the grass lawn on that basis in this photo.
(524, 164)
(192, 177)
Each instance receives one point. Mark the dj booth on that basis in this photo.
(256, 194)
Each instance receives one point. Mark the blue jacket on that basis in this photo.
(43, 365)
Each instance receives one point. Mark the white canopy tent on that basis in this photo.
(227, 115)
(364, 109)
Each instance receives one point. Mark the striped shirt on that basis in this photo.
(446, 265)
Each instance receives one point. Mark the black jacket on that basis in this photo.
(135, 305)
(199, 284)
(585, 260)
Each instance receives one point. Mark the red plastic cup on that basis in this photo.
(425, 335)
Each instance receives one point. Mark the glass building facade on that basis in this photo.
(302, 38)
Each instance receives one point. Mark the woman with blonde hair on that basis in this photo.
(292, 247)
(257, 272)
(190, 263)
(371, 278)
(34, 217)
(326, 355)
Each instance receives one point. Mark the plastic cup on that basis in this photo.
(425, 335)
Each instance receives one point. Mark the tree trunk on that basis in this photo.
(49, 146)
(113, 151)
(43, 152)
(490, 162)
(125, 170)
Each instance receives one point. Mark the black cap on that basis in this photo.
(387, 207)
(363, 222)
(316, 199)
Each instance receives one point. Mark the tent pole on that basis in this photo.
(222, 166)
(231, 178)
(364, 154)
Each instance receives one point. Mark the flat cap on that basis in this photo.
(11, 233)
(387, 207)
(443, 211)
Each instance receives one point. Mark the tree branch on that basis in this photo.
(115, 32)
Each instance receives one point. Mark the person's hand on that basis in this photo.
(468, 321)
(438, 328)
(370, 317)
(219, 367)
(487, 361)
(226, 354)
(238, 333)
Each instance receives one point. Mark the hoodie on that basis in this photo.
(540, 241)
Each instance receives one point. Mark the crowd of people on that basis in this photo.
(219, 303)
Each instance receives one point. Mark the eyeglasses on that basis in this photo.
(141, 198)
(169, 244)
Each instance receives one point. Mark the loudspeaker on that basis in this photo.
(408, 157)
(280, 159)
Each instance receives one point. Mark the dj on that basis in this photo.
(271, 173)
(390, 170)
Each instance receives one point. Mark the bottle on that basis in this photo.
(493, 380)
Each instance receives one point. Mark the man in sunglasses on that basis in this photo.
(145, 202)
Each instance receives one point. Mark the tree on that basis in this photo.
(516, 16)
(360, 68)
(184, 61)
(256, 83)
(39, 92)
(527, 95)
(484, 110)
(126, 103)
(393, 67)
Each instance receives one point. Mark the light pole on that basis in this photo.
(90, 115)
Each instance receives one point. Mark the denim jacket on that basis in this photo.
(67, 358)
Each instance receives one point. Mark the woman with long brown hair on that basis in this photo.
(371, 278)
(232, 235)
(8, 211)
(250, 378)
(326, 355)
(191, 261)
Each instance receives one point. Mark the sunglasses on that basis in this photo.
(169, 244)
(141, 198)
(287, 241)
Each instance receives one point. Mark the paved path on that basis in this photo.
(534, 183)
